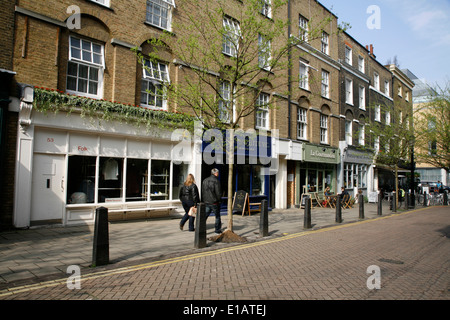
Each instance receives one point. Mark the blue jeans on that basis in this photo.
(186, 206)
(215, 208)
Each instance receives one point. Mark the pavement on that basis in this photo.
(44, 253)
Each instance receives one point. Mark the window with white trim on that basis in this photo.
(388, 117)
(266, 8)
(349, 91)
(262, 113)
(325, 84)
(361, 65)
(348, 55)
(159, 13)
(264, 55)
(362, 135)
(304, 76)
(376, 81)
(387, 88)
(325, 43)
(377, 113)
(362, 98)
(102, 2)
(154, 80)
(231, 36)
(85, 68)
(348, 132)
(323, 129)
(225, 102)
(302, 124)
(303, 28)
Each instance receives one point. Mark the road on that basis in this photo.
(404, 256)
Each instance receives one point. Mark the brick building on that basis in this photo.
(77, 57)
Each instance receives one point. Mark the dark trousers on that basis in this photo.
(215, 208)
(186, 206)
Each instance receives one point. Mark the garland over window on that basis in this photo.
(54, 101)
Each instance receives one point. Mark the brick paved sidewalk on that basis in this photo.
(33, 254)
(410, 250)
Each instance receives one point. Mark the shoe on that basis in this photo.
(191, 230)
(181, 227)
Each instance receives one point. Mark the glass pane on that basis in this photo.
(72, 69)
(71, 83)
(97, 59)
(87, 56)
(180, 173)
(96, 48)
(159, 182)
(81, 180)
(137, 180)
(74, 42)
(76, 53)
(83, 71)
(93, 87)
(86, 45)
(82, 85)
(110, 180)
(93, 74)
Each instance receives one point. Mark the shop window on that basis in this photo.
(137, 180)
(159, 180)
(81, 180)
(110, 181)
(180, 172)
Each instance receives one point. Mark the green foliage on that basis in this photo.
(49, 100)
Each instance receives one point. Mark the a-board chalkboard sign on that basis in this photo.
(241, 202)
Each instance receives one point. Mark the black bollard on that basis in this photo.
(425, 204)
(200, 227)
(264, 219)
(307, 215)
(380, 204)
(338, 210)
(412, 201)
(100, 253)
(445, 198)
(361, 206)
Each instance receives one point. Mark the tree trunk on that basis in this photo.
(230, 155)
(396, 186)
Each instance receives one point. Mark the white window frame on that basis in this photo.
(400, 91)
(303, 28)
(388, 117)
(302, 124)
(225, 102)
(157, 75)
(264, 52)
(325, 84)
(361, 64)
(102, 2)
(349, 91)
(362, 135)
(387, 88)
(262, 113)
(348, 55)
(376, 81)
(304, 76)
(266, 8)
(349, 132)
(325, 43)
(378, 113)
(82, 61)
(162, 6)
(231, 36)
(323, 129)
(362, 98)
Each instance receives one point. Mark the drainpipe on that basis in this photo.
(289, 71)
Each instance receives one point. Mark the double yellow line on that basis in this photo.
(108, 273)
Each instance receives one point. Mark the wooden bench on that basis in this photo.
(125, 210)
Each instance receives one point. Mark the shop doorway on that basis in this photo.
(47, 195)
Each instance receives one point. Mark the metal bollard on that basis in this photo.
(100, 252)
(338, 210)
(445, 198)
(361, 206)
(200, 227)
(380, 204)
(307, 215)
(425, 204)
(264, 219)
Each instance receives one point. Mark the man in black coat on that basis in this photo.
(211, 196)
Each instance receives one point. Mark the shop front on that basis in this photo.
(69, 166)
(316, 172)
(356, 171)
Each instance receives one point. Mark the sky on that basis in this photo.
(416, 31)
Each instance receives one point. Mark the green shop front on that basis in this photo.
(316, 171)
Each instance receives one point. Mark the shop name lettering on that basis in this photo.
(250, 309)
(322, 154)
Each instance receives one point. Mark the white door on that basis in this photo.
(47, 189)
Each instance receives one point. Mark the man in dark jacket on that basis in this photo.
(211, 195)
